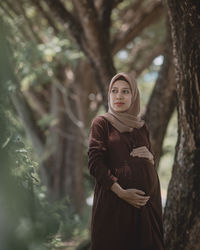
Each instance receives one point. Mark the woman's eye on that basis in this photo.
(126, 91)
(114, 91)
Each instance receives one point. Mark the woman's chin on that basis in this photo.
(121, 110)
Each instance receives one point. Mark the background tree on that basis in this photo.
(182, 216)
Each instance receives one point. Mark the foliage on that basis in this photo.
(28, 219)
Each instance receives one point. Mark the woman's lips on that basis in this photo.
(119, 103)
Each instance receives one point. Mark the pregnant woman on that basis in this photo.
(127, 210)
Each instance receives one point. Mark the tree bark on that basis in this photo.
(182, 212)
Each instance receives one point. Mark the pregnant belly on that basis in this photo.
(138, 173)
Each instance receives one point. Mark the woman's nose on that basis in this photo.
(119, 95)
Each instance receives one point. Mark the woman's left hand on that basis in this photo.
(142, 152)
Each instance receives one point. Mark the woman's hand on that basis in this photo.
(142, 152)
(135, 197)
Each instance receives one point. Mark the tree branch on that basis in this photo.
(67, 19)
(148, 16)
(31, 26)
(130, 11)
(35, 103)
(46, 15)
(158, 50)
(24, 34)
(97, 46)
(88, 33)
(22, 12)
(105, 14)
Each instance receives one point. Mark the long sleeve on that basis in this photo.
(96, 153)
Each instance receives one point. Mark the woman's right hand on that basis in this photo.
(135, 197)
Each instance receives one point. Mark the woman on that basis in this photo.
(127, 210)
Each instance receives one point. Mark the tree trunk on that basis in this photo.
(182, 212)
(66, 142)
(164, 97)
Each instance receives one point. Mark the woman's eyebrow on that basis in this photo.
(122, 88)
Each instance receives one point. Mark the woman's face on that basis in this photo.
(120, 96)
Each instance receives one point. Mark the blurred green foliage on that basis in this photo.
(27, 219)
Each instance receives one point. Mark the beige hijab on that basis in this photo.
(128, 120)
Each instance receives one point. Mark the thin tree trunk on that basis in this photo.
(65, 145)
(162, 103)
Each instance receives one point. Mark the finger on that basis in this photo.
(137, 150)
(138, 191)
(140, 203)
(142, 198)
(140, 152)
(142, 155)
(137, 202)
(140, 148)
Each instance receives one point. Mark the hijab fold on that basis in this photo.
(128, 120)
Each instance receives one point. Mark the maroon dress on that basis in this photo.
(116, 224)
